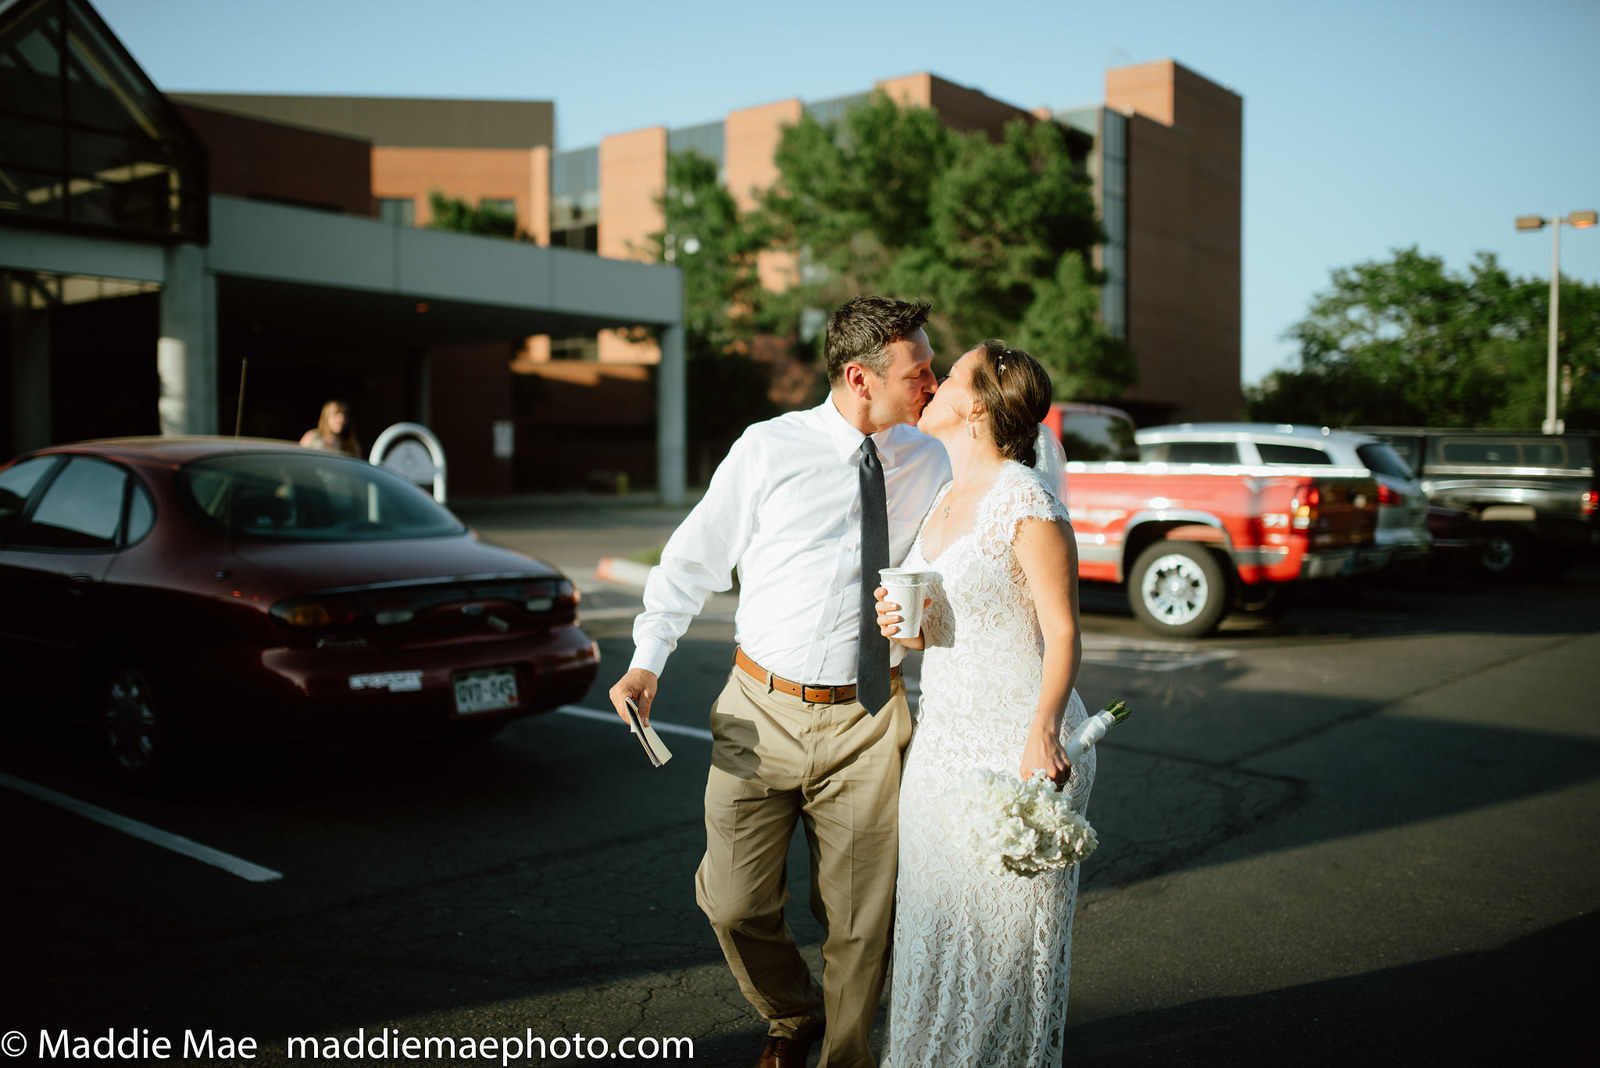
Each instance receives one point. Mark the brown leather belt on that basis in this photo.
(817, 695)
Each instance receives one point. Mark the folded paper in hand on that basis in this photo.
(654, 747)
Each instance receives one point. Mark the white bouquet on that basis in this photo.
(1029, 826)
(1012, 825)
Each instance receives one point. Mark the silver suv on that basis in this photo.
(1402, 504)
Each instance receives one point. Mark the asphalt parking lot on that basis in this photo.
(1365, 831)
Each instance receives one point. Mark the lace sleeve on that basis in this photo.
(1018, 495)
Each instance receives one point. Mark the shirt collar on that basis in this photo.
(847, 439)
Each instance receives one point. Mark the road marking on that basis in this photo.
(1136, 655)
(611, 717)
(625, 612)
(154, 835)
(586, 615)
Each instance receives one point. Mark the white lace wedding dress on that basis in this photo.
(981, 961)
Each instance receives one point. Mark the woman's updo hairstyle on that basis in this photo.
(1015, 391)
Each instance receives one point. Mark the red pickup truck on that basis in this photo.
(1192, 540)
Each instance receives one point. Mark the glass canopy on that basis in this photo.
(87, 142)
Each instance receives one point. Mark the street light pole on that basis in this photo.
(1553, 425)
(1578, 220)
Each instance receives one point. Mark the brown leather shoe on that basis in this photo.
(789, 1052)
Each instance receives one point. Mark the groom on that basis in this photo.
(794, 506)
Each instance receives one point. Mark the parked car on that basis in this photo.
(1093, 432)
(1536, 496)
(190, 590)
(1402, 502)
(1189, 541)
(1458, 541)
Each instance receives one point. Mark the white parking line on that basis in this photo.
(154, 835)
(1135, 654)
(611, 717)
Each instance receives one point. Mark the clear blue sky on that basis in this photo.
(1370, 125)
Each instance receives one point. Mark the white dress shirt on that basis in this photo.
(784, 507)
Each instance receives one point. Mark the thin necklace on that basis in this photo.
(949, 498)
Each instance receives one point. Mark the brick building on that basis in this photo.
(282, 233)
(1163, 152)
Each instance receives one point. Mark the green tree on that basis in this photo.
(996, 234)
(450, 213)
(706, 236)
(1062, 328)
(1409, 342)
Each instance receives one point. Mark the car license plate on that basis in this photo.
(485, 691)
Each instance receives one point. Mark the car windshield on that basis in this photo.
(1384, 460)
(1409, 450)
(311, 497)
(1093, 436)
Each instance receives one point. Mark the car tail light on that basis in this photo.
(549, 595)
(321, 613)
(1388, 496)
(1304, 508)
(1591, 498)
(391, 609)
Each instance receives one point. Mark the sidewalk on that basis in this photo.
(577, 533)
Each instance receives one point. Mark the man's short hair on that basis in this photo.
(862, 327)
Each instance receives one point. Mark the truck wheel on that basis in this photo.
(1178, 588)
(1508, 551)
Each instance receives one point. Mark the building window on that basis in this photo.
(86, 139)
(833, 109)
(1108, 169)
(1114, 217)
(706, 140)
(400, 211)
(575, 199)
(504, 205)
(585, 348)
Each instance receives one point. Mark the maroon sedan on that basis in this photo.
(191, 590)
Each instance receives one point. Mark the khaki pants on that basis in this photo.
(777, 759)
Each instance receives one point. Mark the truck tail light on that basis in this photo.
(1304, 508)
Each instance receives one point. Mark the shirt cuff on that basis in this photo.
(652, 656)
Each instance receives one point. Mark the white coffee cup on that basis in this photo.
(906, 587)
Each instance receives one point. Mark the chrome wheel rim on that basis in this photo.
(1175, 590)
(130, 720)
(1498, 552)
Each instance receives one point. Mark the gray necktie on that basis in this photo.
(872, 670)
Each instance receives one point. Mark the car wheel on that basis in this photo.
(1508, 552)
(141, 734)
(1178, 588)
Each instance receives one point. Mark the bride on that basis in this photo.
(981, 961)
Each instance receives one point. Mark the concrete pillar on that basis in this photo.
(30, 367)
(671, 420)
(419, 387)
(186, 352)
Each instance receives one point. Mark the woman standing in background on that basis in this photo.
(334, 431)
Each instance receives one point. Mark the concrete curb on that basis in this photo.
(624, 572)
